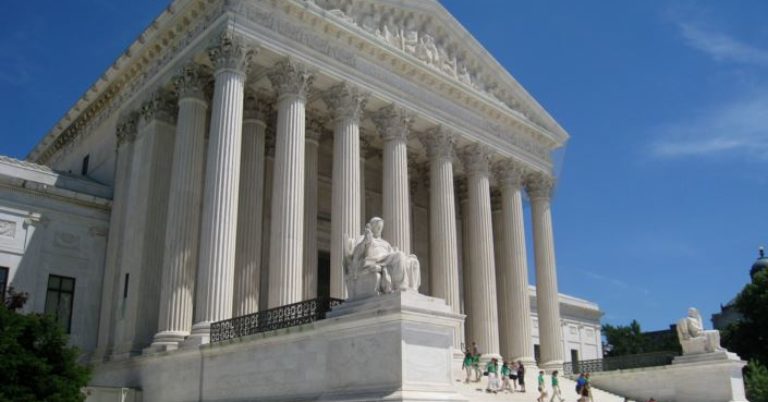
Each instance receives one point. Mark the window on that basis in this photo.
(84, 169)
(3, 282)
(58, 300)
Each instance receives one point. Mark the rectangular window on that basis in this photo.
(84, 169)
(59, 299)
(3, 282)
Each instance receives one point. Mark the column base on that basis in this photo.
(551, 366)
(200, 335)
(166, 341)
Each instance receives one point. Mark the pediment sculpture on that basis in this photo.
(373, 267)
(694, 338)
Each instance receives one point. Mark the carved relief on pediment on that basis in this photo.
(7, 229)
(423, 38)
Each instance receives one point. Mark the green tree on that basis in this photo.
(625, 339)
(36, 364)
(749, 337)
(756, 381)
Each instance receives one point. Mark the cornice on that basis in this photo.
(345, 41)
(166, 36)
(425, 33)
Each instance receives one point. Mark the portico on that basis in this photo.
(359, 102)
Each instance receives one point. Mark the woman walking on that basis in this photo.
(521, 375)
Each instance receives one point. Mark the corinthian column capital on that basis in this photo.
(255, 107)
(510, 173)
(439, 142)
(315, 129)
(229, 52)
(127, 127)
(159, 106)
(345, 101)
(477, 159)
(289, 77)
(539, 185)
(393, 122)
(191, 81)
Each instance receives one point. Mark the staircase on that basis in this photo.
(475, 391)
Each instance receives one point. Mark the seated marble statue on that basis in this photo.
(373, 267)
(693, 338)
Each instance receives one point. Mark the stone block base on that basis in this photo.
(710, 377)
(390, 348)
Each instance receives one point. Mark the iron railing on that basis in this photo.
(620, 362)
(281, 317)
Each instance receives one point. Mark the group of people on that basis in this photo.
(509, 377)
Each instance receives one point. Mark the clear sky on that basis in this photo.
(663, 184)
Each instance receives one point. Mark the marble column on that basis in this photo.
(346, 104)
(309, 283)
(444, 254)
(393, 124)
(485, 320)
(286, 249)
(126, 134)
(147, 206)
(514, 302)
(182, 228)
(250, 208)
(539, 188)
(216, 269)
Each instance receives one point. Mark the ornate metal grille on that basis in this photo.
(620, 362)
(286, 316)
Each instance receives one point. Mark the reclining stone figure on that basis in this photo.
(373, 267)
(693, 338)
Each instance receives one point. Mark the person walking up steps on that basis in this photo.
(506, 373)
(492, 371)
(556, 388)
(521, 375)
(542, 388)
(467, 365)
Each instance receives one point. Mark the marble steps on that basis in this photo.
(475, 391)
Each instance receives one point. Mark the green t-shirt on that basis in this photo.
(555, 381)
(505, 371)
(492, 368)
(541, 380)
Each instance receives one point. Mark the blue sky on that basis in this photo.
(662, 186)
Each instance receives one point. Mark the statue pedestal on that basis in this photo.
(709, 377)
(397, 347)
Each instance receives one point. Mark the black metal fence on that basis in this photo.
(620, 362)
(286, 316)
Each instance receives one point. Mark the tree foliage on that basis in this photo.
(624, 339)
(629, 339)
(749, 336)
(36, 363)
(756, 381)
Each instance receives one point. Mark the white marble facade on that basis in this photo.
(225, 122)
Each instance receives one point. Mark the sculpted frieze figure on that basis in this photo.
(694, 338)
(373, 267)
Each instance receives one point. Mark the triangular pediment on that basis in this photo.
(425, 30)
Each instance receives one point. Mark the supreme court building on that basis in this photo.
(218, 166)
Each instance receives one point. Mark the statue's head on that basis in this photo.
(693, 312)
(377, 224)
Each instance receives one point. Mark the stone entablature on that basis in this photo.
(309, 26)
